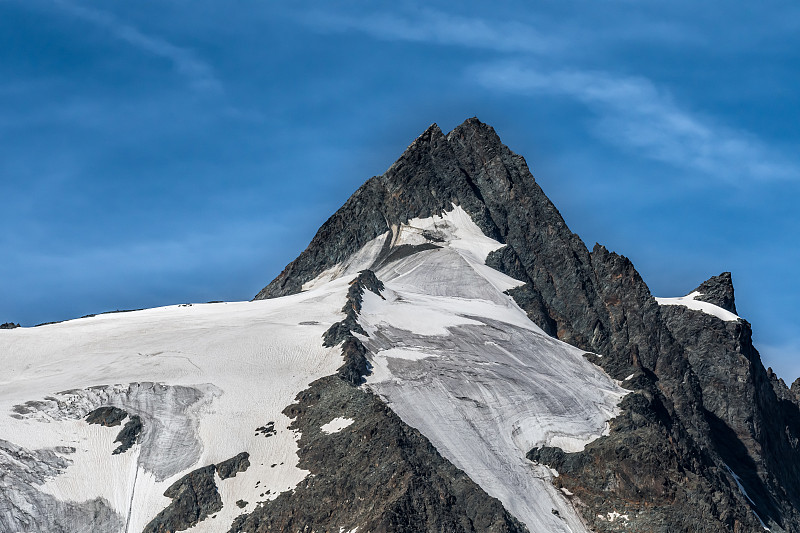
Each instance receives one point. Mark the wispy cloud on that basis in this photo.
(635, 114)
(199, 73)
(432, 26)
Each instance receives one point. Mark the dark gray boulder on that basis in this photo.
(234, 465)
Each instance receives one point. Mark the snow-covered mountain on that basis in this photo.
(444, 356)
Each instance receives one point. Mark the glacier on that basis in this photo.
(450, 352)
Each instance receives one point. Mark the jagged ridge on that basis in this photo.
(597, 301)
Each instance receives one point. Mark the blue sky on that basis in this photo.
(154, 153)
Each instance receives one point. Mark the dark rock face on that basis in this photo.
(649, 470)
(194, 498)
(110, 416)
(106, 416)
(754, 417)
(8, 325)
(377, 474)
(340, 331)
(704, 415)
(268, 430)
(355, 365)
(233, 466)
(718, 290)
(129, 434)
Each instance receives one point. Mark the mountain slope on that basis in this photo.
(446, 355)
(596, 301)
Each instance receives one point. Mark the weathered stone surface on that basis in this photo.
(129, 434)
(649, 470)
(341, 331)
(355, 365)
(754, 417)
(378, 474)
(106, 416)
(718, 290)
(194, 498)
(8, 325)
(233, 466)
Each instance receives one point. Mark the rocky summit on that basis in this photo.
(445, 356)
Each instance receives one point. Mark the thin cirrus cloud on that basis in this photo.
(633, 113)
(200, 74)
(436, 27)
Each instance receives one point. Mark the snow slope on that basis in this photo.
(202, 377)
(460, 361)
(452, 354)
(691, 302)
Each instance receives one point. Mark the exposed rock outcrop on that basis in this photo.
(234, 465)
(718, 290)
(194, 498)
(754, 420)
(108, 416)
(377, 474)
(129, 434)
(355, 365)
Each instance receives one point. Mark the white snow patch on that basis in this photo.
(613, 516)
(738, 481)
(349, 269)
(410, 313)
(698, 305)
(629, 377)
(336, 425)
(93, 461)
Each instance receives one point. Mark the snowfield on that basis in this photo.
(699, 305)
(214, 372)
(452, 355)
(459, 360)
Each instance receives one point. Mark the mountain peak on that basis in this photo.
(466, 168)
(471, 326)
(718, 290)
(432, 134)
(474, 127)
